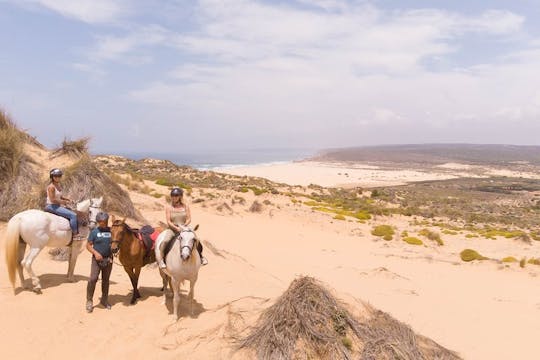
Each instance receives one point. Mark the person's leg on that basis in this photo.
(62, 211)
(160, 248)
(91, 287)
(105, 276)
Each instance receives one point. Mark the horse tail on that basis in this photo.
(12, 247)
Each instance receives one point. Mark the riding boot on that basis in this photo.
(200, 250)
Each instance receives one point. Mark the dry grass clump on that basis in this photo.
(75, 148)
(83, 180)
(432, 235)
(308, 322)
(17, 178)
(256, 207)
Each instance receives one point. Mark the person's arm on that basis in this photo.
(169, 221)
(90, 248)
(188, 215)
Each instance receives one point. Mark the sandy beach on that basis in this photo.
(336, 174)
(482, 310)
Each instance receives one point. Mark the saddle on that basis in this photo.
(147, 235)
(62, 222)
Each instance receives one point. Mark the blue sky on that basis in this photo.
(181, 76)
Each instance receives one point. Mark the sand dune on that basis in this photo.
(481, 310)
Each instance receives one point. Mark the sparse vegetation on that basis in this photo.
(470, 255)
(509, 259)
(413, 240)
(432, 235)
(75, 148)
(384, 231)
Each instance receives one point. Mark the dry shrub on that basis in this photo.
(75, 148)
(256, 207)
(83, 180)
(18, 180)
(224, 206)
(307, 322)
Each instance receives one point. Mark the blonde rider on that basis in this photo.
(178, 217)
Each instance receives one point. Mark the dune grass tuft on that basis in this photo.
(75, 148)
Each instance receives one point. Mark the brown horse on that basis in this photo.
(131, 253)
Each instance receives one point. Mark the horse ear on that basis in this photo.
(196, 227)
(113, 218)
(124, 219)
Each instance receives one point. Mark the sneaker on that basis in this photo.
(106, 305)
(161, 264)
(204, 261)
(89, 306)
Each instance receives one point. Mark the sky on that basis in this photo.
(182, 76)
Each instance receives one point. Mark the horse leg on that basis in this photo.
(136, 287)
(166, 280)
(191, 295)
(20, 257)
(27, 263)
(75, 250)
(131, 274)
(176, 298)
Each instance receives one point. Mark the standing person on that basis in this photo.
(178, 216)
(56, 202)
(99, 245)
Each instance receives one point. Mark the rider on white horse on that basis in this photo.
(55, 200)
(178, 217)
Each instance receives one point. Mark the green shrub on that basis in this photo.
(413, 240)
(534, 261)
(339, 217)
(347, 343)
(404, 233)
(509, 259)
(449, 232)
(384, 231)
(523, 262)
(470, 255)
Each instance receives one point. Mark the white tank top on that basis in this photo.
(57, 195)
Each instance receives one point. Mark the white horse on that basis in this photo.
(38, 229)
(183, 263)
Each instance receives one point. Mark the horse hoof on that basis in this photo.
(37, 291)
(71, 279)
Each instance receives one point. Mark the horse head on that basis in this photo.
(118, 230)
(91, 207)
(187, 241)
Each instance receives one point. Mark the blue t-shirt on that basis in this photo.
(100, 238)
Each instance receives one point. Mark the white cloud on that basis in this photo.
(89, 11)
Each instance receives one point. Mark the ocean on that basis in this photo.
(211, 159)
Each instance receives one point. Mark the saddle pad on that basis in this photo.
(149, 236)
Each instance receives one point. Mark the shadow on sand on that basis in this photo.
(50, 281)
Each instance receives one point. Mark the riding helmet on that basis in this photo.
(55, 172)
(177, 191)
(102, 216)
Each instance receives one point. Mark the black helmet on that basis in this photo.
(177, 191)
(55, 172)
(102, 216)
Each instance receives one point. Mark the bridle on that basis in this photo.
(124, 225)
(92, 223)
(187, 246)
